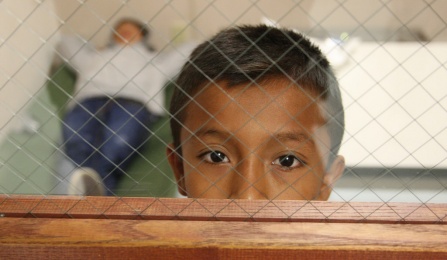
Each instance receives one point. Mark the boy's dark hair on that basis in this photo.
(248, 54)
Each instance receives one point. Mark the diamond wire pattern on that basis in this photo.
(372, 185)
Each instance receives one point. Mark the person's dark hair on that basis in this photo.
(248, 54)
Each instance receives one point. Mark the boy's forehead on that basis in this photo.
(276, 102)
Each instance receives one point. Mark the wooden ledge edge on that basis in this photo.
(148, 208)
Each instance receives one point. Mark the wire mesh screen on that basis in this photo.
(85, 100)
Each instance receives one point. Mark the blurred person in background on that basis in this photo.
(119, 95)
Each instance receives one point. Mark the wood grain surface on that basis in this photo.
(39, 227)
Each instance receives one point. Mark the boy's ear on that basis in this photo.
(177, 167)
(331, 176)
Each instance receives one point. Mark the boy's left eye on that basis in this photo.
(288, 161)
(215, 157)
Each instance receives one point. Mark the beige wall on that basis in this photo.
(204, 18)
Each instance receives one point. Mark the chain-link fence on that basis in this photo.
(389, 58)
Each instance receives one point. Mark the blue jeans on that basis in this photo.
(105, 134)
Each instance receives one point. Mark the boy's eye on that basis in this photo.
(288, 161)
(215, 157)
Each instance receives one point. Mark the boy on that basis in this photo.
(256, 114)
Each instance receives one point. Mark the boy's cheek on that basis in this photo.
(199, 186)
(222, 186)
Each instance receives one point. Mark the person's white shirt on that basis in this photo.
(124, 71)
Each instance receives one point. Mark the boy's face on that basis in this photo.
(250, 143)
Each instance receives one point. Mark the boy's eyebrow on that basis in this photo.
(281, 137)
(293, 136)
(213, 132)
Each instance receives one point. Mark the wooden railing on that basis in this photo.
(66, 227)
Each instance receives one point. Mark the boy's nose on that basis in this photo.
(249, 180)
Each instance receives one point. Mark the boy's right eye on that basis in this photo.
(215, 157)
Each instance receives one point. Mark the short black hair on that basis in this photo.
(254, 53)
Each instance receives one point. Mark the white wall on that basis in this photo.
(395, 98)
(28, 32)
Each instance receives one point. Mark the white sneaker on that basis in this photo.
(86, 182)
